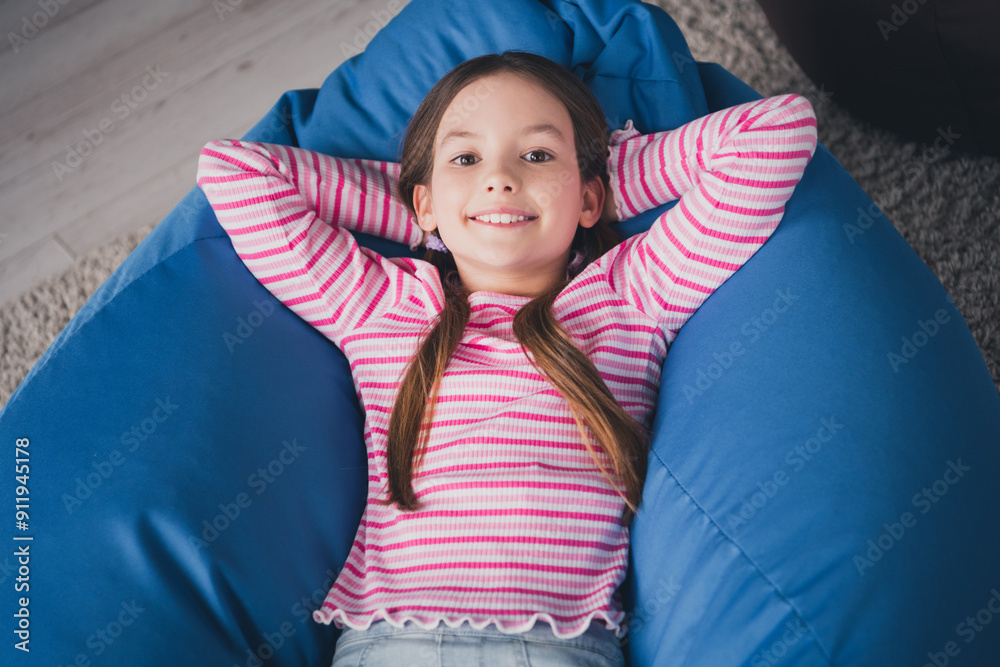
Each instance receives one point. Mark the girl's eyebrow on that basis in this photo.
(540, 128)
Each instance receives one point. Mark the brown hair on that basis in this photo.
(555, 354)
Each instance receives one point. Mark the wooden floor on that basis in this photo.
(106, 104)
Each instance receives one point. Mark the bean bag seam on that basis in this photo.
(760, 571)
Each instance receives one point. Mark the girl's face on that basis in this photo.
(506, 146)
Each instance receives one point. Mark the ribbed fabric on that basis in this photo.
(519, 524)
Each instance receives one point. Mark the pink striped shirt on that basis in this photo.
(519, 524)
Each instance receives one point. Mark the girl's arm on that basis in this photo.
(369, 184)
(732, 170)
(285, 210)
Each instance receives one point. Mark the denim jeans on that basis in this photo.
(411, 646)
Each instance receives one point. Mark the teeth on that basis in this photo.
(502, 218)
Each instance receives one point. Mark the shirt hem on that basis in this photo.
(340, 618)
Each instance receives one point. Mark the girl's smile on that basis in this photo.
(506, 220)
(503, 215)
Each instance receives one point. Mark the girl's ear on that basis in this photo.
(423, 208)
(593, 202)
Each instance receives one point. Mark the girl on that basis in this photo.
(509, 378)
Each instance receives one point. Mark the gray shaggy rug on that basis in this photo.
(946, 205)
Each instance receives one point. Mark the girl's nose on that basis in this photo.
(501, 178)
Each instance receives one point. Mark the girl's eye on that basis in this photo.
(538, 152)
(540, 156)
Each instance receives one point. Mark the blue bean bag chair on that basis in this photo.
(185, 468)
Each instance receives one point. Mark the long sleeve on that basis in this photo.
(732, 171)
(287, 211)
